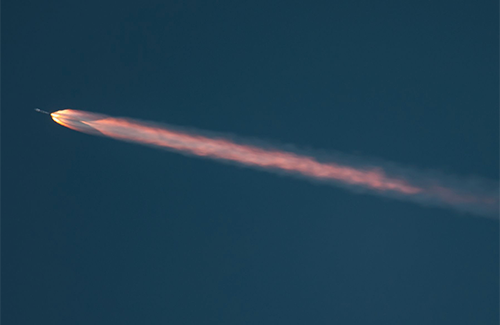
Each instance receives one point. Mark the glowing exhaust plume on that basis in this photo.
(479, 198)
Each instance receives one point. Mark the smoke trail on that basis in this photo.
(475, 196)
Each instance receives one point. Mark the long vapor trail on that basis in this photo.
(475, 196)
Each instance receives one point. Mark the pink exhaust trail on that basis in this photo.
(372, 178)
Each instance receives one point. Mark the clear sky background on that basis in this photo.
(96, 231)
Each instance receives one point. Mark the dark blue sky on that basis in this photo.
(96, 231)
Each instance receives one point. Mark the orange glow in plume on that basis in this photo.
(370, 178)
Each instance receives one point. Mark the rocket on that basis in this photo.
(41, 111)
